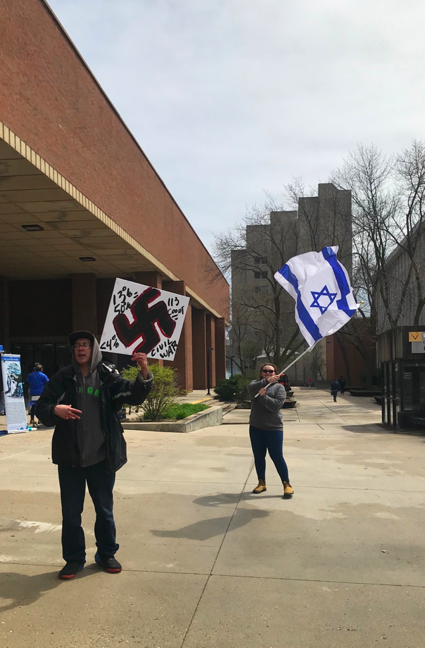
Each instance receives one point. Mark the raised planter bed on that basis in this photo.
(364, 392)
(208, 418)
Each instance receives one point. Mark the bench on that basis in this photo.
(415, 419)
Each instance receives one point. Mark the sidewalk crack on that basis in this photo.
(216, 558)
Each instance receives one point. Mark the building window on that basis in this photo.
(261, 275)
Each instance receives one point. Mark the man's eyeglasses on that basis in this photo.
(268, 370)
(84, 345)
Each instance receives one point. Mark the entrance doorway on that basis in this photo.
(52, 356)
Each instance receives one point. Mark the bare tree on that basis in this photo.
(388, 214)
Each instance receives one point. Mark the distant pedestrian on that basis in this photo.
(335, 388)
(342, 383)
(266, 428)
(310, 382)
(37, 380)
(2, 408)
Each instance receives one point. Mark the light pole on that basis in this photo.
(208, 369)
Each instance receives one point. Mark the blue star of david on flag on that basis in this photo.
(333, 304)
(323, 306)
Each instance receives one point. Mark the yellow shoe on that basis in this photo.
(260, 488)
(288, 491)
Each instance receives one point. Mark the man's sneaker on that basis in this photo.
(288, 491)
(109, 563)
(70, 570)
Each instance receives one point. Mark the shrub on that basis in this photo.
(226, 389)
(163, 393)
(242, 388)
(130, 372)
(183, 410)
(234, 388)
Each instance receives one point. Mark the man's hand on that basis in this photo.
(67, 412)
(142, 361)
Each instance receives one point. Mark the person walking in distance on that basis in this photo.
(37, 380)
(82, 401)
(266, 427)
(335, 387)
(342, 383)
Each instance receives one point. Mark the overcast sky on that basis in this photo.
(230, 97)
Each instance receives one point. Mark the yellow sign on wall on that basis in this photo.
(415, 337)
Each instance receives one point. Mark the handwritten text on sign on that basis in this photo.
(143, 318)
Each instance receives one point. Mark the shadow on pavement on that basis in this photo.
(379, 428)
(218, 500)
(368, 428)
(206, 529)
(21, 589)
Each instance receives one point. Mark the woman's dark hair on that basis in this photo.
(268, 364)
(38, 367)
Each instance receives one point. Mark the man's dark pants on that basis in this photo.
(100, 483)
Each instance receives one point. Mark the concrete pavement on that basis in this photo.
(209, 564)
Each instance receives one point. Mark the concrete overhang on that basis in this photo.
(72, 227)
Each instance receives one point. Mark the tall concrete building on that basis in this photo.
(80, 205)
(319, 221)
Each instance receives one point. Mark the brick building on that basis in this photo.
(80, 204)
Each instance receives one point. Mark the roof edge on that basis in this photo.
(48, 8)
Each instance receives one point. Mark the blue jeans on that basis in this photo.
(100, 483)
(271, 440)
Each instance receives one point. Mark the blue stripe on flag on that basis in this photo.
(303, 313)
(330, 256)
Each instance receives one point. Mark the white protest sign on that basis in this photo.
(16, 414)
(143, 318)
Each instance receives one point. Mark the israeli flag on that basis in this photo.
(321, 288)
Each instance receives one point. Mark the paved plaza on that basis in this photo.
(209, 564)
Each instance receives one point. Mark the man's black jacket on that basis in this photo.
(114, 392)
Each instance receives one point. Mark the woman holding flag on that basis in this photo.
(266, 427)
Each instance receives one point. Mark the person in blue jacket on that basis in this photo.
(335, 388)
(37, 380)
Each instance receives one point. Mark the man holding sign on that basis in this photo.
(88, 445)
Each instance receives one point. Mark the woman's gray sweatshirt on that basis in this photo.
(265, 410)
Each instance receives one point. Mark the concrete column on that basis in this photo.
(153, 279)
(220, 348)
(84, 302)
(183, 362)
(4, 314)
(210, 321)
(199, 348)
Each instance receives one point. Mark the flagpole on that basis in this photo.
(296, 359)
(289, 366)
